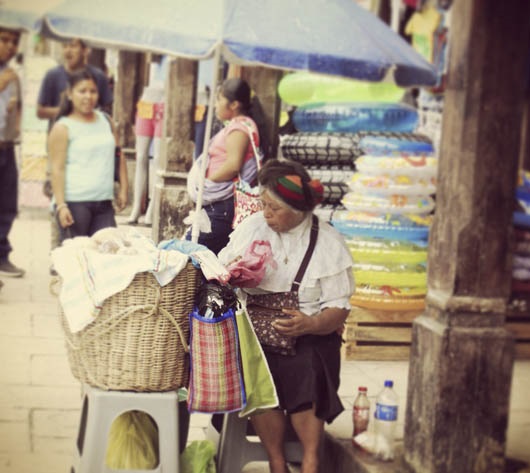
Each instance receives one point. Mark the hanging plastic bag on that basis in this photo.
(216, 378)
(250, 269)
(133, 442)
(213, 299)
(198, 457)
(259, 385)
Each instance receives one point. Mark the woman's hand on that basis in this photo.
(65, 217)
(331, 319)
(121, 199)
(298, 324)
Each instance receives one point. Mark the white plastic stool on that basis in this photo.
(101, 408)
(235, 449)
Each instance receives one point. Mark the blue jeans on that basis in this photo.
(89, 217)
(8, 196)
(221, 215)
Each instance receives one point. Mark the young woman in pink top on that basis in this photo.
(230, 156)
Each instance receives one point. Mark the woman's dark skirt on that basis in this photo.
(310, 376)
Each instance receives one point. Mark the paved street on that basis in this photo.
(40, 400)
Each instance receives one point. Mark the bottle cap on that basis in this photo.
(363, 389)
(389, 383)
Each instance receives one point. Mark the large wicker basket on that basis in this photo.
(139, 340)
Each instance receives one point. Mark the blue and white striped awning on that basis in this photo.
(335, 37)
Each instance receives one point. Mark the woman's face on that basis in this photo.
(224, 108)
(278, 216)
(84, 96)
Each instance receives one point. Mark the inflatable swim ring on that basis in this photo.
(384, 244)
(521, 274)
(334, 148)
(399, 253)
(321, 148)
(384, 146)
(333, 192)
(520, 261)
(522, 194)
(413, 166)
(388, 303)
(366, 290)
(355, 116)
(394, 275)
(349, 228)
(395, 184)
(394, 220)
(395, 204)
(300, 88)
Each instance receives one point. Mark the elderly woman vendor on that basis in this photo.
(306, 382)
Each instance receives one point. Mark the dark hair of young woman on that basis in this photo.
(238, 89)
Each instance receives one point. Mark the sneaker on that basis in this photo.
(10, 270)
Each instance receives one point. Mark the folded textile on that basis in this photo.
(211, 267)
(259, 385)
(90, 277)
(201, 257)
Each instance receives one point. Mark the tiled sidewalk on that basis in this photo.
(40, 400)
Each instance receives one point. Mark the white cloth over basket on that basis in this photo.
(90, 277)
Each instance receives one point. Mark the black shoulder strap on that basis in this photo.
(309, 252)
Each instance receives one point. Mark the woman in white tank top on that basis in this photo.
(82, 149)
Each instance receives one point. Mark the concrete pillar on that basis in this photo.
(172, 203)
(462, 356)
(131, 76)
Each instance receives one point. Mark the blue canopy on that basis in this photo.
(335, 37)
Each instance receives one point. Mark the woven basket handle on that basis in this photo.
(179, 330)
(125, 313)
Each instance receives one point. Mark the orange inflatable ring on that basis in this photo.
(400, 304)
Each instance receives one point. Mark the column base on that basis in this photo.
(458, 397)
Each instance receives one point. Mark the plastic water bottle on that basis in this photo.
(386, 415)
(361, 412)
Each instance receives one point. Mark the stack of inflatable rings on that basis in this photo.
(386, 225)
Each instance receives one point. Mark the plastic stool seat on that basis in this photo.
(235, 449)
(101, 408)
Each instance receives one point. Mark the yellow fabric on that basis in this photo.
(133, 442)
(146, 110)
(422, 26)
(200, 110)
(259, 386)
